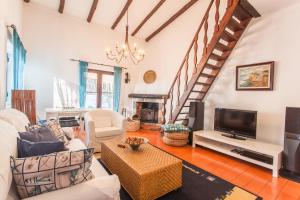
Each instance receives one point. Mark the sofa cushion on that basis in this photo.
(96, 167)
(40, 134)
(102, 121)
(57, 131)
(107, 131)
(14, 120)
(8, 147)
(41, 174)
(101, 188)
(27, 148)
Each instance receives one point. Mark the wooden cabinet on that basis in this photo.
(24, 101)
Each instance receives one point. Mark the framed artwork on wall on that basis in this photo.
(258, 76)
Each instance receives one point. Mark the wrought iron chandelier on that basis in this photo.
(124, 51)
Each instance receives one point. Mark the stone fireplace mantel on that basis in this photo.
(147, 96)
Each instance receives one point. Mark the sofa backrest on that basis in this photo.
(16, 118)
(8, 147)
(102, 118)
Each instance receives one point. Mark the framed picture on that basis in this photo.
(259, 76)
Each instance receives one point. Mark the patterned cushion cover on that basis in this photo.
(57, 131)
(40, 174)
(32, 127)
(173, 128)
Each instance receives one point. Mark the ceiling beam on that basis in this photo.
(27, 1)
(121, 14)
(169, 21)
(61, 6)
(158, 5)
(92, 11)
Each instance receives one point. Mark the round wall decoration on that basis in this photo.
(149, 76)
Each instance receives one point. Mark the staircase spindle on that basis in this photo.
(178, 87)
(171, 104)
(186, 72)
(205, 39)
(217, 16)
(195, 54)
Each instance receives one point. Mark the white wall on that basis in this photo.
(271, 37)
(52, 39)
(10, 13)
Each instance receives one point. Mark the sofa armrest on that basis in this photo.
(106, 187)
(118, 120)
(89, 128)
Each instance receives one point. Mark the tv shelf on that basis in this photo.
(232, 147)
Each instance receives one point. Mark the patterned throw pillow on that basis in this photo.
(41, 174)
(57, 131)
(173, 128)
(32, 127)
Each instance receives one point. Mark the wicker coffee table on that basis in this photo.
(145, 174)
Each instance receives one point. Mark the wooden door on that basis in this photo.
(24, 101)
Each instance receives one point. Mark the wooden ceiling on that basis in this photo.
(96, 4)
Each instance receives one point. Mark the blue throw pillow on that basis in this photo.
(41, 134)
(27, 148)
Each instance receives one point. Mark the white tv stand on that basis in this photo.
(215, 141)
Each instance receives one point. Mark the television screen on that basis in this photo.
(237, 122)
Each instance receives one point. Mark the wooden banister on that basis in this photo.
(192, 43)
(196, 58)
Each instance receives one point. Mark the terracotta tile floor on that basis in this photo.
(250, 177)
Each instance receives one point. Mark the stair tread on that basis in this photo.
(241, 14)
(235, 25)
(228, 37)
(181, 119)
(194, 99)
(184, 113)
(201, 83)
(222, 47)
(208, 75)
(209, 66)
(197, 91)
(217, 57)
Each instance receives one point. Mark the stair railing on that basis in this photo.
(182, 75)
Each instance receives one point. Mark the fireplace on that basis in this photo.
(148, 112)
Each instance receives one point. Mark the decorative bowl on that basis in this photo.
(135, 142)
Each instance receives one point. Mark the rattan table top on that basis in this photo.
(148, 158)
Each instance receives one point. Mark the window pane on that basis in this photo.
(91, 100)
(91, 85)
(107, 91)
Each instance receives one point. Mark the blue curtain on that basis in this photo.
(117, 87)
(19, 56)
(83, 69)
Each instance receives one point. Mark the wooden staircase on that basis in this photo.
(193, 83)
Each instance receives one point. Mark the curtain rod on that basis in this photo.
(11, 26)
(106, 65)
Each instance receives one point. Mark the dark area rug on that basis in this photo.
(199, 184)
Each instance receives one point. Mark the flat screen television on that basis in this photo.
(236, 122)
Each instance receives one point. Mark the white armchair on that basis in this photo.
(103, 125)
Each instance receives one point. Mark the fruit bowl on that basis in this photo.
(135, 142)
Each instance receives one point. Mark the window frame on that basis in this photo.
(99, 73)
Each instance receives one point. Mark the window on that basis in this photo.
(99, 89)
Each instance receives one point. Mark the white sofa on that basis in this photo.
(101, 125)
(103, 186)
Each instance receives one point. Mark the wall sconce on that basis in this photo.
(127, 77)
